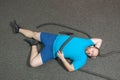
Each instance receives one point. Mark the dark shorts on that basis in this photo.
(48, 40)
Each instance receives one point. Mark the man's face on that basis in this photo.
(92, 52)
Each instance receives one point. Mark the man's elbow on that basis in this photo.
(71, 70)
(100, 40)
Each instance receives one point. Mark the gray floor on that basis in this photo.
(100, 18)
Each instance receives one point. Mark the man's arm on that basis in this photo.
(97, 42)
(66, 64)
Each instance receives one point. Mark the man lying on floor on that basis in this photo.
(77, 49)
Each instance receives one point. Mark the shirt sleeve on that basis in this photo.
(91, 42)
(88, 42)
(77, 64)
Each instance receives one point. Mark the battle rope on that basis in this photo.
(64, 26)
(103, 55)
(110, 53)
(96, 74)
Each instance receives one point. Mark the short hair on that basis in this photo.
(98, 51)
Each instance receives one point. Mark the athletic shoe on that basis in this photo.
(31, 42)
(15, 26)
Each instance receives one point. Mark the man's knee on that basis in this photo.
(35, 62)
(36, 35)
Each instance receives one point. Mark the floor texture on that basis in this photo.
(99, 18)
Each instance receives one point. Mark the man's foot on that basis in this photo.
(31, 42)
(15, 26)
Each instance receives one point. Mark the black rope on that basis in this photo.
(103, 55)
(64, 26)
(110, 53)
(96, 74)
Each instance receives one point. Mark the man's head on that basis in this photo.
(92, 51)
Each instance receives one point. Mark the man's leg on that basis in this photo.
(30, 34)
(35, 58)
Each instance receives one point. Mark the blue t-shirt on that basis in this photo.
(74, 50)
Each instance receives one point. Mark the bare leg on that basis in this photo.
(35, 58)
(30, 34)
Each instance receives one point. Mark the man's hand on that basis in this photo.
(66, 64)
(97, 42)
(60, 54)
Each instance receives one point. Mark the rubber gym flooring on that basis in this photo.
(99, 18)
